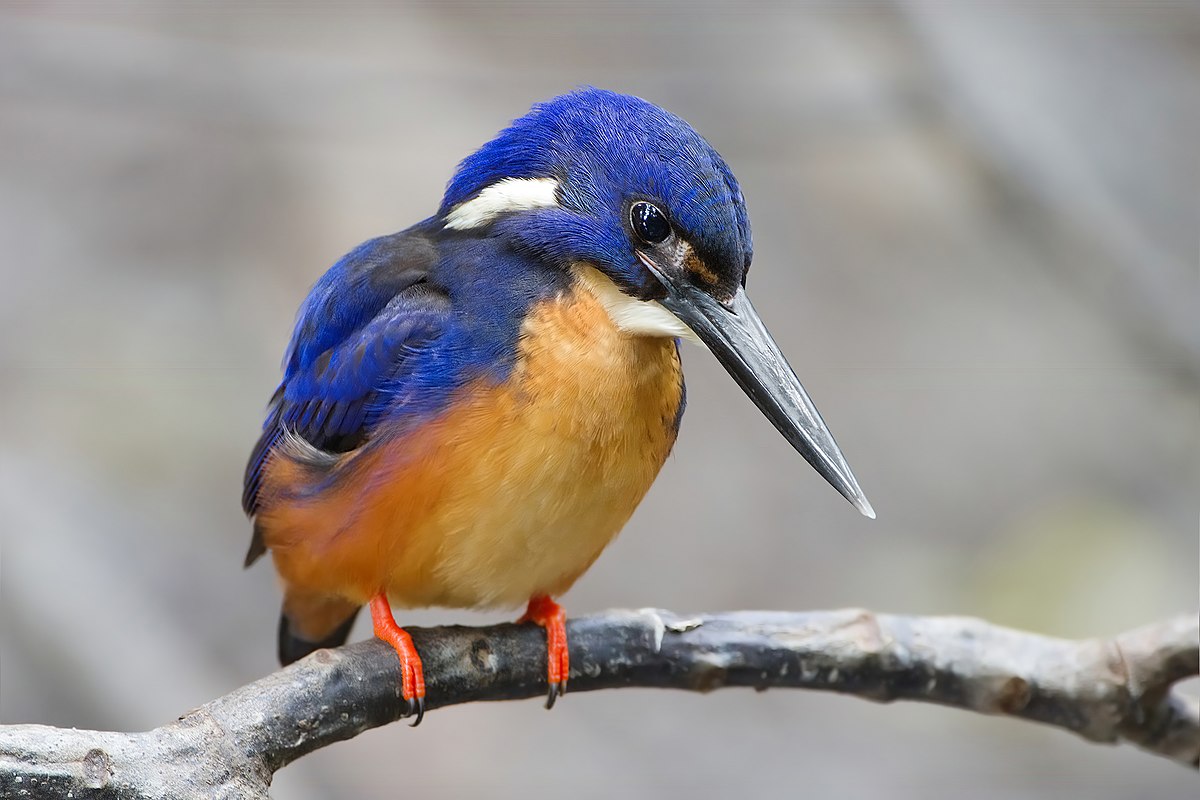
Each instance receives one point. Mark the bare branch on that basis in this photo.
(1104, 690)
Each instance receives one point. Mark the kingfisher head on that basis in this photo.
(634, 202)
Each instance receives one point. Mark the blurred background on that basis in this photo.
(976, 239)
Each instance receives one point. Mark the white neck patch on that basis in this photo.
(509, 194)
(633, 316)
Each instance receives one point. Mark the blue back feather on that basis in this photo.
(392, 330)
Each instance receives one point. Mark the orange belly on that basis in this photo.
(513, 491)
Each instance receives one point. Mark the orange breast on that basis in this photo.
(513, 491)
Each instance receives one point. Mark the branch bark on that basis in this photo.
(1105, 690)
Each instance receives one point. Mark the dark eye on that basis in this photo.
(649, 223)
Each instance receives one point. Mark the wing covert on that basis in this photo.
(363, 326)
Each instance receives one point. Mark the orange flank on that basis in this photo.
(509, 494)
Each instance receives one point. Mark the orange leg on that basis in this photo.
(412, 682)
(550, 615)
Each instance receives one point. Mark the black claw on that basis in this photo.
(555, 690)
(420, 710)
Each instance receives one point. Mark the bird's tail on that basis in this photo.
(309, 622)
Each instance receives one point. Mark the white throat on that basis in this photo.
(633, 316)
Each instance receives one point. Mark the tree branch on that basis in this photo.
(1106, 690)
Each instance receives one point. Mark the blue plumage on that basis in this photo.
(607, 149)
(363, 344)
(392, 329)
(520, 315)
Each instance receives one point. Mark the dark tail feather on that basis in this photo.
(293, 648)
(257, 546)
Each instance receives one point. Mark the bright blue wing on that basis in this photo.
(363, 326)
(377, 337)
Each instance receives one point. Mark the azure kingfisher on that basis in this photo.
(472, 408)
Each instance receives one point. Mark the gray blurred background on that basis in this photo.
(976, 239)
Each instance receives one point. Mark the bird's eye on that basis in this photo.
(649, 223)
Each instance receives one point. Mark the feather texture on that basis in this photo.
(512, 491)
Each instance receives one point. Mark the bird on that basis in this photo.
(472, 408)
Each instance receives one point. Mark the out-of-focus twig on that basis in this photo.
(1106, 690)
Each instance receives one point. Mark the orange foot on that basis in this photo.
(549, 614)
(412, 681)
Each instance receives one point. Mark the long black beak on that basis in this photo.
(740, 341)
